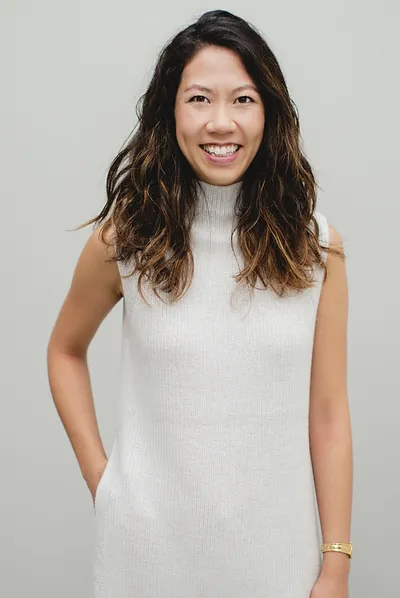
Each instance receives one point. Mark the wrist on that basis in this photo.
(335, 564)
(94, 468)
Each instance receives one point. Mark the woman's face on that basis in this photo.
(218, 116)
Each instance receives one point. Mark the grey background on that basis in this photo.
(72, 73)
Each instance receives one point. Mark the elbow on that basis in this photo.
(334, 412)
(57, 348)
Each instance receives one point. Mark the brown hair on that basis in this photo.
(151, 188)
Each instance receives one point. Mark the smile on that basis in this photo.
(227, 157)
(227, 150)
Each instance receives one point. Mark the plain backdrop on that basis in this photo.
(72, 72)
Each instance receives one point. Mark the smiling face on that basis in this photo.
(215, 113)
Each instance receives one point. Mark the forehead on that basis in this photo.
(213, 67)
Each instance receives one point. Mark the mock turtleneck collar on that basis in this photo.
(217, 202)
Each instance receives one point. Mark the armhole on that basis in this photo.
(125, 269)
(122, 269)
(323, 233)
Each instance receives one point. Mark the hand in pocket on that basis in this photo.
(93, 481)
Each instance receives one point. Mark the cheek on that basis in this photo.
(188, 128)
(255, 137)
(188, 120)
(254, 125)
(179, 121)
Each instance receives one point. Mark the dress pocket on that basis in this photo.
(103, 478)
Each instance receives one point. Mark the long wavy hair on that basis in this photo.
(152, 189)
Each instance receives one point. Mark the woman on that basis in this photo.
(233, 405)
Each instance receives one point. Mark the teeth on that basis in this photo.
(226, 150)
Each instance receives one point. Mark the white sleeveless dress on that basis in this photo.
(208, 491)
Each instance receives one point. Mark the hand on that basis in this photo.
(94, 477)
(331, 587)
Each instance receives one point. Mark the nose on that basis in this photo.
(220, 121)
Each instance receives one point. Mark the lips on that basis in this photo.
(221, 159)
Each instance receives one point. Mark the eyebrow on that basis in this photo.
(202, 88)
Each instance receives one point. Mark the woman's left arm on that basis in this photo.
(329, 416)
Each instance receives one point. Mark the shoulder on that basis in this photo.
(101, 248)
(335, 281)
(327, 231)
(335, 239)
(329, 236)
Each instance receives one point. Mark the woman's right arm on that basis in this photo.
(95, 289)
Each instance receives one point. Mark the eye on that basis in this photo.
(239, 98)
(251, 99)
(191, 99)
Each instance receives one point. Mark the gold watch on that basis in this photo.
(338, 547)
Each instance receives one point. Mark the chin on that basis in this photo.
(225, 177)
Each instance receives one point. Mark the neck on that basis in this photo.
(217, 202)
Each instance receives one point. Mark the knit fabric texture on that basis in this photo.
(209, 490)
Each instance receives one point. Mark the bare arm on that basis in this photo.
(330, 428)
(95, 290)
